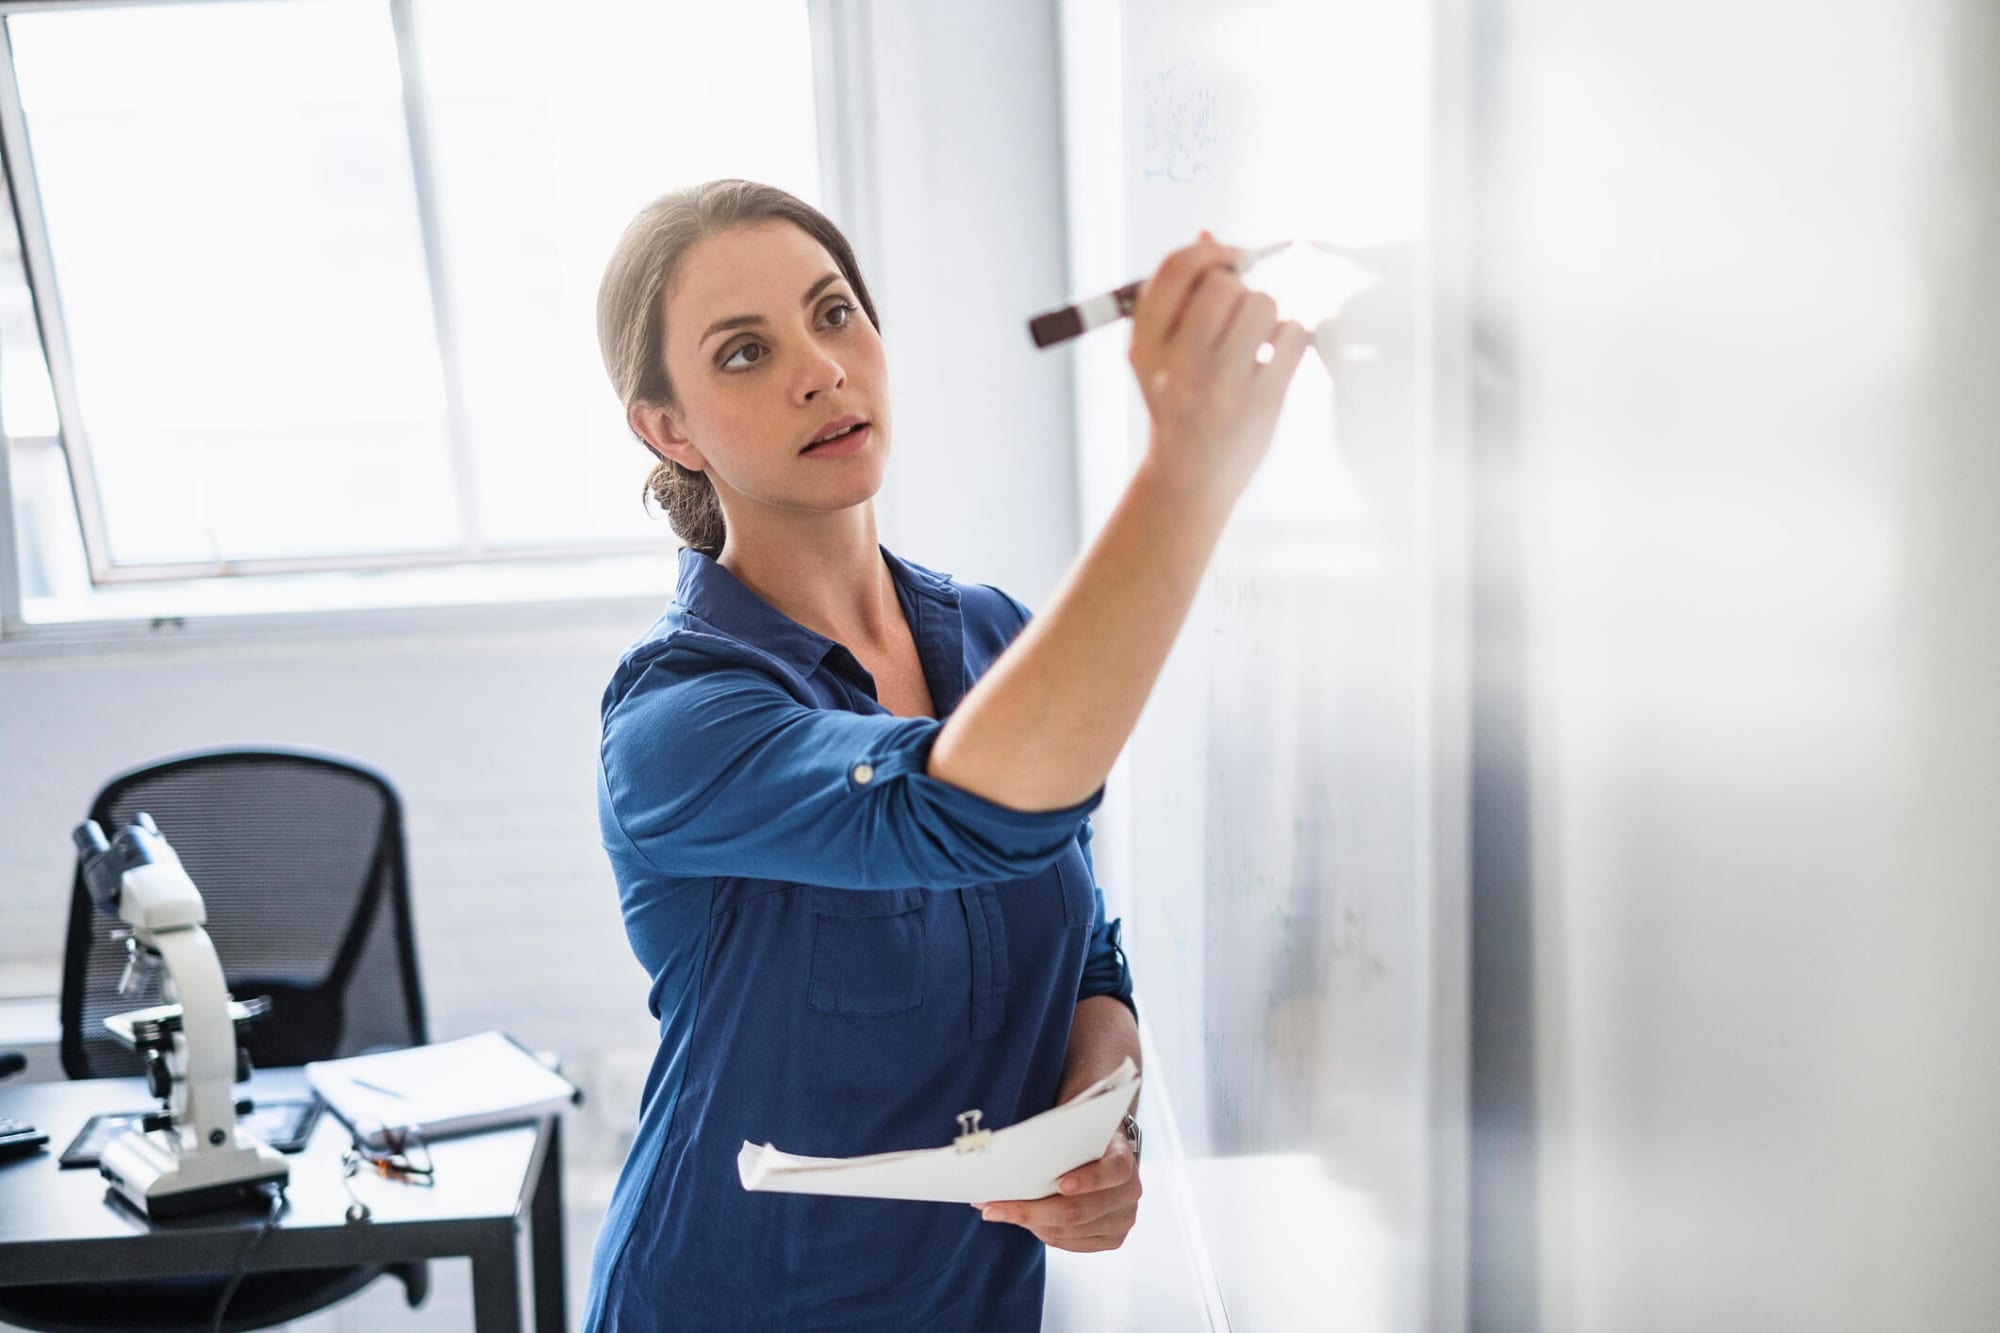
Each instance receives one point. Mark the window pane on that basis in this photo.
(48, 546)
(27, 403)
(231, 211)
(551, 128)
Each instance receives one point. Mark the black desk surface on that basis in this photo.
(59, 1225)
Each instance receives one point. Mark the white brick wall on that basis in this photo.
(489, 737)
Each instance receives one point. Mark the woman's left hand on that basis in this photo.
(1097, 1205)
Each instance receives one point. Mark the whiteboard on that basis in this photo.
(1285, 822)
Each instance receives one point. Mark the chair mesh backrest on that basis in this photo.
(299, 859)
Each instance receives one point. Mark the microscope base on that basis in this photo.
(149, 1174)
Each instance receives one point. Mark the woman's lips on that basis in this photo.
(843, 445)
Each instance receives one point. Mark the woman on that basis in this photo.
(846, 797)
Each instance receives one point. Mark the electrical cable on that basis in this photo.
(249, 1252)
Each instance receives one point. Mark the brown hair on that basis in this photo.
(631, 316)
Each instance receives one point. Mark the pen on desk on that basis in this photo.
(377, 1087)
(1059, 326)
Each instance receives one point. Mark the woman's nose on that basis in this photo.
(820, 373)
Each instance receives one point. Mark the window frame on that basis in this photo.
(841, 46)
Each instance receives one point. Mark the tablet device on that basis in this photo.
(284, 1123)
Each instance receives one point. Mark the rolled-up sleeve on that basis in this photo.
(1105, 969)
(712, 771)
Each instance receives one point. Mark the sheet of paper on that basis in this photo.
(447, 1087)
(1020, 1162)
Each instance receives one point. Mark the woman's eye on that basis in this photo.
(842, 309)
(748, 354)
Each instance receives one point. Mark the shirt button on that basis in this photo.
(863, 774)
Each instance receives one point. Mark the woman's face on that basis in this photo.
(768, 349)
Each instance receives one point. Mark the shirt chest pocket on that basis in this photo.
(867, 952)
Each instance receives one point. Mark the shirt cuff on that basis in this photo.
(1030, 835)
(1106, 971)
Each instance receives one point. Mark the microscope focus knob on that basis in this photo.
(159, 1080)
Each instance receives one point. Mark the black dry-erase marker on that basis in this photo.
(1059, 326)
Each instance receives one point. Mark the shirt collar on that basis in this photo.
(718, 598)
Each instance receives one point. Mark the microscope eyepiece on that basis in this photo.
(104, 862)
(89, 839)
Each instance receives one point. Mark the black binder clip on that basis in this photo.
(973, 1138)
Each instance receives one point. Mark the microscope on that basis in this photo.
(191, 1155)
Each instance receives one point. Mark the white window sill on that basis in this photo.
(625, 590)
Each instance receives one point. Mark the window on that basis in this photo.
(307, 287)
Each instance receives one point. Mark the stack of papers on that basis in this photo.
(449, 1087)
(1023, 1161)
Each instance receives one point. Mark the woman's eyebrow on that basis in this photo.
(747, 321)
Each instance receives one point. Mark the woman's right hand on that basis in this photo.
(1196, 331)
(1044, 725)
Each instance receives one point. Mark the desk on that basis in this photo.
(58, 1226)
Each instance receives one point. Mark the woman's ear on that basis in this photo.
(656, 424)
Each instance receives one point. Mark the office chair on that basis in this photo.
(299, 859)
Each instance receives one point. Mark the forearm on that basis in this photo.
(1102, 1033)
(1045, 723)
(1094, 1204)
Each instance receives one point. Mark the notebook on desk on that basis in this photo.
(448, 1087)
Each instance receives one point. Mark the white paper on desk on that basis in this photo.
(1020, 1162)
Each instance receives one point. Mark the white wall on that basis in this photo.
(489, 736)
(967, 118)
(489, 731)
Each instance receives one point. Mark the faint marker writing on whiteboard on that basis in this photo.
(1179, 124)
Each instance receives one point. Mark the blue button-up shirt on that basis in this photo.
(845, 953)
